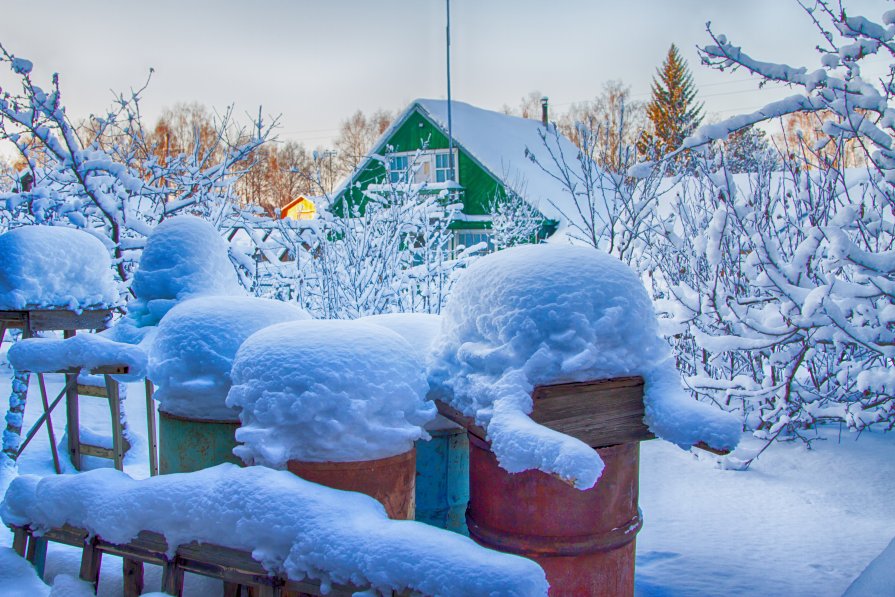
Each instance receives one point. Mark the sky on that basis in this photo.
(315, 63)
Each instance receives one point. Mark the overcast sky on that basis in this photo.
(315, 63)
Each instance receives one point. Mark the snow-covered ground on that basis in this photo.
(798, 522)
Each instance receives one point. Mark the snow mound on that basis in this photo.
(45, 267)
(84, 351)
(320, 391)
(193, 350)
(419, 329)
(545, 314)
(290, 525)
(184, 257)
(18, 577)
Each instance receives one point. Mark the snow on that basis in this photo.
(55, 267)
(544, 314)
(18, 578)
(184, 257)
(290, 525)
(419, 329)
(193, 350)
(502, 144)
(798, 522)
(84, 351)
(330, 390)
(879, 576)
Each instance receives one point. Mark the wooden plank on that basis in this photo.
(459, 418)
(117, 432)
(232, 589)
(47, 319)
(19, 540)
(91, 561)
(96, 451)
(72, 414)
(95, 391)
(132, 573)
(172, 578)
(599, 413)
(152, 434)
(52, 434)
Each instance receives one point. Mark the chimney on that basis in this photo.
(544, 119)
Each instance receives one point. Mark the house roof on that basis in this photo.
(498, 142)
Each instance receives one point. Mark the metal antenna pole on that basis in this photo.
(449, 120)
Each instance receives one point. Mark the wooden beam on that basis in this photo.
(172, 578)
(91, 561)
(132, 573)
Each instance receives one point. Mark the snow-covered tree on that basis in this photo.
(782, 283)
(105, 177)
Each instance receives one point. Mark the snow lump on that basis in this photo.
(184, 257)
(327, 391)
(46, 267)
(545, 314)
(194, 347)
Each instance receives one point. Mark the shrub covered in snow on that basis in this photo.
(193, 351)
(55, 267)
(544, 314)
(184, 257)
(327, 391)
(290, 525)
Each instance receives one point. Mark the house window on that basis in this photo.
(426, 166)
(397, 168)
(442, 167)
(465, 239)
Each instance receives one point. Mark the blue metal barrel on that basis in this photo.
(442, 477)
(186, 445)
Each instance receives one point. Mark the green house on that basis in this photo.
(490, 158)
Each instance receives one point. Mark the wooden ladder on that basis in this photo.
(110, 391)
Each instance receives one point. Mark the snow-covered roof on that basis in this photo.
(498, 142)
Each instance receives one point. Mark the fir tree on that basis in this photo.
(673, 111)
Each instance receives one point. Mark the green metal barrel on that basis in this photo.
(442, 479)
(187, 445)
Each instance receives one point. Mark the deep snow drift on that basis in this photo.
(194, 347)
(327, 391)
(545, 314)
(290, 525)
(184, 257)
(54, 266)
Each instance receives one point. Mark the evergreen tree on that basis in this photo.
(673, 111)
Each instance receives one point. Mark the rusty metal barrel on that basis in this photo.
(584, 540)
(390, 480)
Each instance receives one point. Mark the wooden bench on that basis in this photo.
(236, 568)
